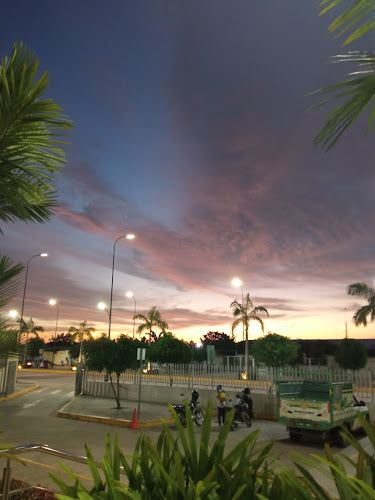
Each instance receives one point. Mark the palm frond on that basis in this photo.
(8, 283)
(358, 18)
(361, 289)
(256, 318)
(31, 128)
(360, 317)
(236, 323)
(359, 95)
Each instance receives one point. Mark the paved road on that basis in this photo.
(31, 418)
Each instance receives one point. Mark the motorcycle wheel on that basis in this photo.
(182, 420)
(245, 418)
(234, 426)
(199, 417)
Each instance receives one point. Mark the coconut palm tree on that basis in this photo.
(152, 319)
(29, 327)
(245, 312)
(357, 93)
(363, 290)
(30, 132)
(9, 338)
(79, 333)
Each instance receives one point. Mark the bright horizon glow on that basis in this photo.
(236, 282)
(129, 294)
(101, 306)
(13, 313)
(52, 302)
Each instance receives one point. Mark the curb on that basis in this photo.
(44, 370)
(111, 421)
(19, 393)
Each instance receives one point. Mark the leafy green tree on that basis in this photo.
(169, 349)
(274, 350)
(351, 354)
(355, 19)
(224, 344)
(74, 350)
(152, 319)
(62, 339)
(34, 346)
(79, 333)
(29, 327)
(363, 290)
(245, 312)
(113, 356)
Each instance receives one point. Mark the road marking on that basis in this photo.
(41, 390)
(71, 394)
(29, 405)
(54, 468)
(55, 392)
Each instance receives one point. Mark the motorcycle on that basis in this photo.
(241, 415)
(197, 414)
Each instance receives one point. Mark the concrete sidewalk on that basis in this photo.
(104, 411)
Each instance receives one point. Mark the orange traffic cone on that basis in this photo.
(134, 424)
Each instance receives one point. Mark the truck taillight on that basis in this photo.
(328, 407)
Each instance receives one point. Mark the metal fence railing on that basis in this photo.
(204, 375)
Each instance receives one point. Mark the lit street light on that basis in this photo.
(13, 313)
(53, 302)
(237, 283)
(23, 299)
(128, 237)
(130, 295)
(102, 307)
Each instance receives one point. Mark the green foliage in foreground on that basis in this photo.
(178, 468)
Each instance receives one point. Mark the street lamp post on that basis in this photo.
(128, 237)
(24, 295)
(236, 282)
(53, 302)
(130, 295)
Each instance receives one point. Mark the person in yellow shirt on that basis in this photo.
(221, 404)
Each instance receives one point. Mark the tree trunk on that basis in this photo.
(116, 391)
(247, 351)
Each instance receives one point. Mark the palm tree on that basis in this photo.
(358, 92)
(153, 318)
(30, 132)
(245, 312)
(9, 338)
(80, 332)
(28, 328)
(362, 290)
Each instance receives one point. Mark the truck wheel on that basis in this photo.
(338, 439)
(295, 436)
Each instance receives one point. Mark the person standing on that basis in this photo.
(221, 404)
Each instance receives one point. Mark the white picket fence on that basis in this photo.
(210, 375)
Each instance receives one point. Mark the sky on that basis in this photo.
(193, 131)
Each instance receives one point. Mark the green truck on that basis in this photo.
(318, 403)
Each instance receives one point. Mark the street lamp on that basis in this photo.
(102, 307)
(13, 313)
(237, 283)
(24, 294)
(130, 295)
(53, 302)
(128, 237)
